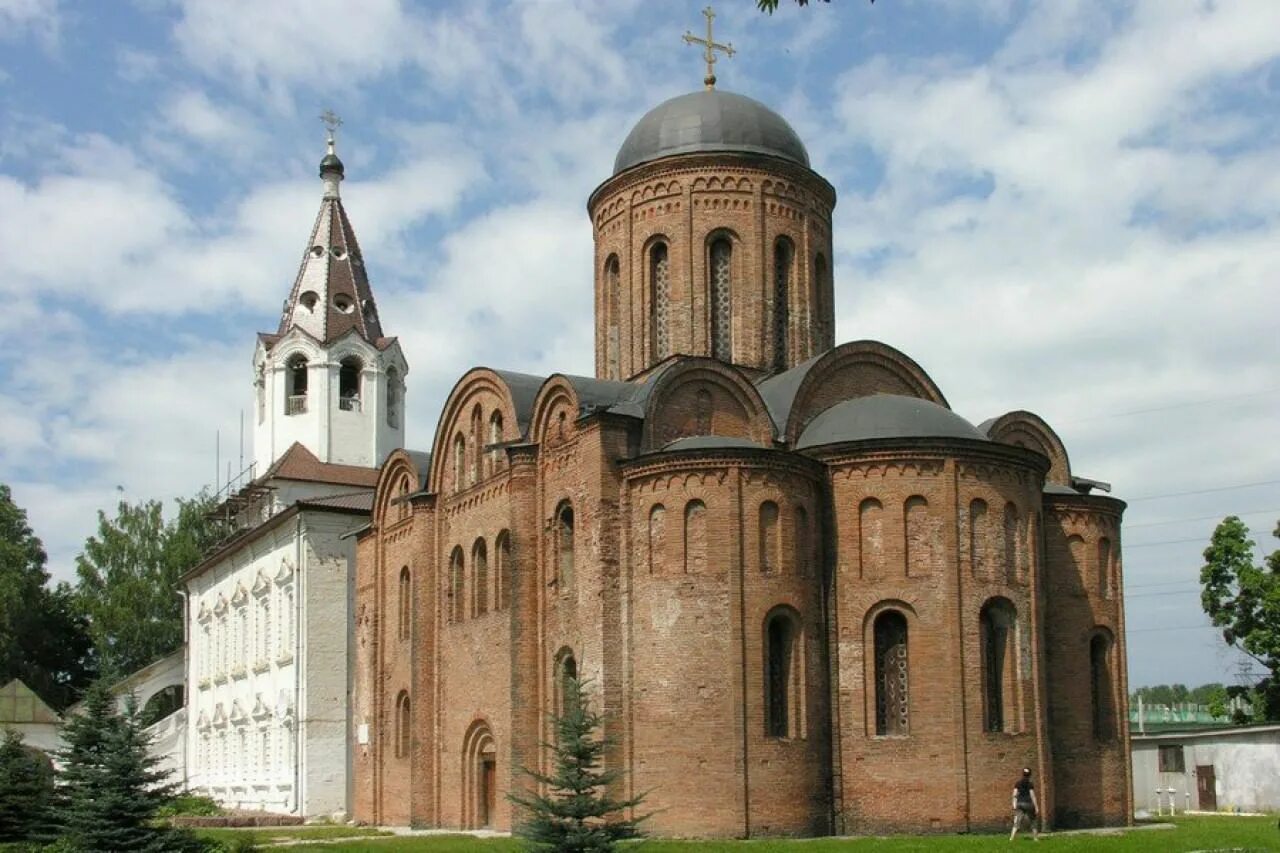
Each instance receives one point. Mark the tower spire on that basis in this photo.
(331, 168)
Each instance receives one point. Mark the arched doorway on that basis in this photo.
(479, 777)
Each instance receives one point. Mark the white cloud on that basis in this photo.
(323, 44)
(41, 18)
(108, 233)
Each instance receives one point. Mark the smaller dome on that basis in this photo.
(885, 416)
(331, 163)
(710, 120)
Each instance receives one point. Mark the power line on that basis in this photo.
(1171, 628)
(1203, 539)
(1170, 592)
(1171, 406)
(1129, 586)
(1202, 491)
(1200, 518)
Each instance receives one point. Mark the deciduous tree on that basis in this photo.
(44, 639)
(1244, 600)
(128, 575)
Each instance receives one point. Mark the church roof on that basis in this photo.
(706, 121)
(524, 389)
(331, 295)
(779, 391)
(299, 463)
(361, 501)
(885, 416)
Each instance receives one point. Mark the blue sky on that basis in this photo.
(1068, 207)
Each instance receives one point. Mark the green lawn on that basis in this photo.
(1194, 833)
(270, 834)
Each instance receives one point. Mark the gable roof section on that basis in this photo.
(299, 463)
(20, 704)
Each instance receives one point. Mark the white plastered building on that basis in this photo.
(269, 611)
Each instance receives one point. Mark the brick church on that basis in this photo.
(810, 597)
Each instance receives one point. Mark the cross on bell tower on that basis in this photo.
(710, 47)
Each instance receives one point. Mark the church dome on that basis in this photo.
(885, 416)
(710, 120)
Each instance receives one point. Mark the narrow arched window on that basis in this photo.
(1010, 543)
(720, 298)
(476, 438)
(916, 544)
(783, 677)
(495, 438)
(295, 401)
(1103, 708)
(406, 603)
(394, 394)
(821, 311)
(783, 260)
(564, 546)
(459, 462)
(1078, 551)
(657, 538)
(695, 537)
(802, 547)
(402, 495)
(1104, 567)
(978, 537)
(660, 297)
(479, 579)
(893, 707)
(870, 538)
(404, 725)
(611, 307)
(349, 384)
(566, 687)
(502, 571)
(703, 411)
(769, 555)
(260, 386)
(997, 625)
(457, 580)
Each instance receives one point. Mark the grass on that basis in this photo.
(1190, 833)
(269, 834)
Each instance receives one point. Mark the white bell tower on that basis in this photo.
(328, 378)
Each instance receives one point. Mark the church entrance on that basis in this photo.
(479, 778)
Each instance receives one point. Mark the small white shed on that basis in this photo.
(1223, 769)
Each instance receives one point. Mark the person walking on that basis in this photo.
(1025, 805)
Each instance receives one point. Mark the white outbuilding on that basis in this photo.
(1218, 769)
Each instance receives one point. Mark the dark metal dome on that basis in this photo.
(710, 120)
(331, 163)
(885, 416)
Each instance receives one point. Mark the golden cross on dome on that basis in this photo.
(331, 123)
(711, 46)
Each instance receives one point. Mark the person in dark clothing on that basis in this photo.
(1025, 805)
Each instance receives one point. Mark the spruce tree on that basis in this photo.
(111, 787)
(26, 790)
(576, 815)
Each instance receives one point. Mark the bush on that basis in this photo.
(190, 805)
